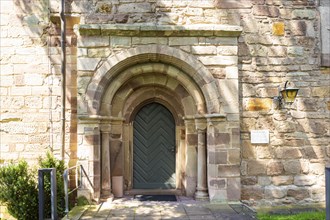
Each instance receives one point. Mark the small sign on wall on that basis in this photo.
(259, 136)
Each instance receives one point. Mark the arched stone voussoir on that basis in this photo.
(150, 94)
(145, 75)
(116, 64)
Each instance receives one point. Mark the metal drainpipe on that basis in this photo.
(63, 75)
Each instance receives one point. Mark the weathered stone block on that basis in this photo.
(314, 152)
(204, 49)
(231, 72)
(285, 126)
(134, 8)
(248, 150)
(20, 91)
(87, 64)
(322, 91)
(298, 28)
(219, 139)
(272, 192)
(103, 7)
(234, 189)
(257, 168)
(275, 168)
(192, 139)
(298, 193)
(226, 4)
(175, 41)
(277, 51)
(119, 41)
(234, 156)
(288, 152)
(252, 193)
(264, 152)
(249, 180)
(227, 50)
(93, 41)
(149, 40)
(269, 11)
(218, 183)
(307, 105)
(218, 157)
(295, 51)
(278, 28)
(221, 41)
(258, 104)
(292, 167)
(219, 195)
(228, 171)
(98, 52)
(316, 168)
(304, 180)
(219, 60)
(282, 180)
(33, 102)
(303, 14)
(264, 180)
(194, 12)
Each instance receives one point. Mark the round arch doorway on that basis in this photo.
(154, 148)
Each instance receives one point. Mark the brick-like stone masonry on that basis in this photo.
(280, 41)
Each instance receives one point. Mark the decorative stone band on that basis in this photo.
(99, 118)
(205, 116)
(204, 30)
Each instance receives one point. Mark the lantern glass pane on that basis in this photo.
(289, 95)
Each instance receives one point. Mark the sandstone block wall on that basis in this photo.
(281, 40)
(29, 92)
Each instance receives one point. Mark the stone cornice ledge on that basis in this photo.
(152, 30)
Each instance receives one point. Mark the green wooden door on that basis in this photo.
(154, 148)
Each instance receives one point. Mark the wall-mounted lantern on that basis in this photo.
(286, 95)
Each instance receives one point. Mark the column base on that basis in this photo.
(201, 195)
(107, 198)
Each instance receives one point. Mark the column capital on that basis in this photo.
(105, 128)
(200, 123)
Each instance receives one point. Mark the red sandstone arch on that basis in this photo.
(183, 67)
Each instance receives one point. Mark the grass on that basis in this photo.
(300, 216)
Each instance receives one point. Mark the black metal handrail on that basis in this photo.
(79, 185)
(327, 191)
(53, 185)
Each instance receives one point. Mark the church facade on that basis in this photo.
(175, 97)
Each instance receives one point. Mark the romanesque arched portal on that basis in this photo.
(134, 78)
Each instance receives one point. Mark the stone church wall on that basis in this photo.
(280, 41)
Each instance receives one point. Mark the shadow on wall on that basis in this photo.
(291, 168)
(31, 48)
(283, 48)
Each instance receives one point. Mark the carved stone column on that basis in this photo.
(201, 191)
(106, 171)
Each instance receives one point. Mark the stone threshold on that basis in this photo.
(131, 192)
(154, 30)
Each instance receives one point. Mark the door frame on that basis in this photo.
(179, 152)
(174, 140)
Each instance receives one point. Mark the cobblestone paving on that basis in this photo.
(184, 209)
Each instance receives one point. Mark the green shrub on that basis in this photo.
(51, 162)
(19, 188)
(18, 191)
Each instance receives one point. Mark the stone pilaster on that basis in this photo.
(190, 182)
(89, 154)
(105, 154)
(201, 190)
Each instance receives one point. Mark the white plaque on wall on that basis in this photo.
(259, 136)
